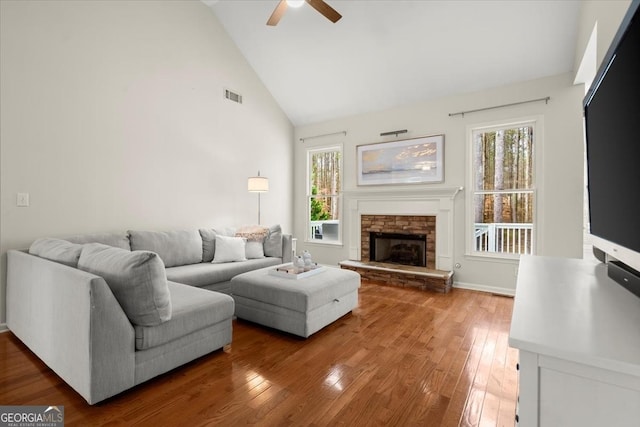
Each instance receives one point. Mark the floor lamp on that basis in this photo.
(258, 184)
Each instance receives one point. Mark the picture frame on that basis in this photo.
(408, 161)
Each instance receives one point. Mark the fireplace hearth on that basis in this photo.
(405, 212)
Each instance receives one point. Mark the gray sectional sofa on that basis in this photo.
(109, 311)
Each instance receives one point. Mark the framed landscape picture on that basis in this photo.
(408, 161)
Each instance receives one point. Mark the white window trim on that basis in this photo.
(536, 189)
(308, 195)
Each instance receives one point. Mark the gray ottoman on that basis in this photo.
(298, 306)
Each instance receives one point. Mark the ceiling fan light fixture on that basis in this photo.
(320, 5)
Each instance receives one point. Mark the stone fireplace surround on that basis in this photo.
(436, 204)
(400, 224)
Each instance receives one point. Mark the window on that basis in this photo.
(324, 181)
(501, 203)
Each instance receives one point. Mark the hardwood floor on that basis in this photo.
(402, 358)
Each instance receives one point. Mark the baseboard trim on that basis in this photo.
(3, 328)
(483, 288)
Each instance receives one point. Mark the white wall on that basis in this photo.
(559, 183)
(112, 118)
(608, 14)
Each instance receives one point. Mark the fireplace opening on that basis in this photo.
(397, 248)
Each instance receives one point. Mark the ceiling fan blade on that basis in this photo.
(277, 13)
(328, 12)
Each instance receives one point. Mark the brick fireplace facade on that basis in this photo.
(429, 211)
(401, 224)
(424, 278)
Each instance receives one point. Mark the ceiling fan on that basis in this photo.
(319, 5)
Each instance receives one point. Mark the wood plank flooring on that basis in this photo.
(402, 358)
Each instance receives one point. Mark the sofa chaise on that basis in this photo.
(109, 311)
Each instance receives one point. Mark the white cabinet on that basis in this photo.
(578, 334)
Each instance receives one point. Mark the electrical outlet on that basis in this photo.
(23, 199)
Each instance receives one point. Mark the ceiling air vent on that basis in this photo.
(232, 96)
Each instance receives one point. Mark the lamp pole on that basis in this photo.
(258, 184)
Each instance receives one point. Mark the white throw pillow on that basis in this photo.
(254, 249)
(255, 235)
(229, 249)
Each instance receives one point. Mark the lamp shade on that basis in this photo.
(258, 184)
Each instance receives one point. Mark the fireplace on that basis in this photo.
(408, 229)
(398, 248)
(429, 213)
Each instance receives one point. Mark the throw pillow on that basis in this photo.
(137, 279)
(255, 235)
(254, 249)
(209, 240)
(229, 249)
(208, 244)
(273, 242)
(253, 232)
(57, 250)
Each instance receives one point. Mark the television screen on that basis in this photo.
(612, 123)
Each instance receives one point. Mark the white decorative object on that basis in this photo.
(308, 262)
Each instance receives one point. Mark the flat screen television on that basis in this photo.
(612, 125)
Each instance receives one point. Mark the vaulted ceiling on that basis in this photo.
(384, 54)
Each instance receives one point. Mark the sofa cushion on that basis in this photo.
(205, 274)
(117, 240)
(137, 280)
(254, 249)
(208, 237)
(209, 240)
(255, 236)
(177, 247)
(229, 249)
(273, 242)
(56, 250)
(192, 309)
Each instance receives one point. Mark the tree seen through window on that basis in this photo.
(503, 189)
(323, 191)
